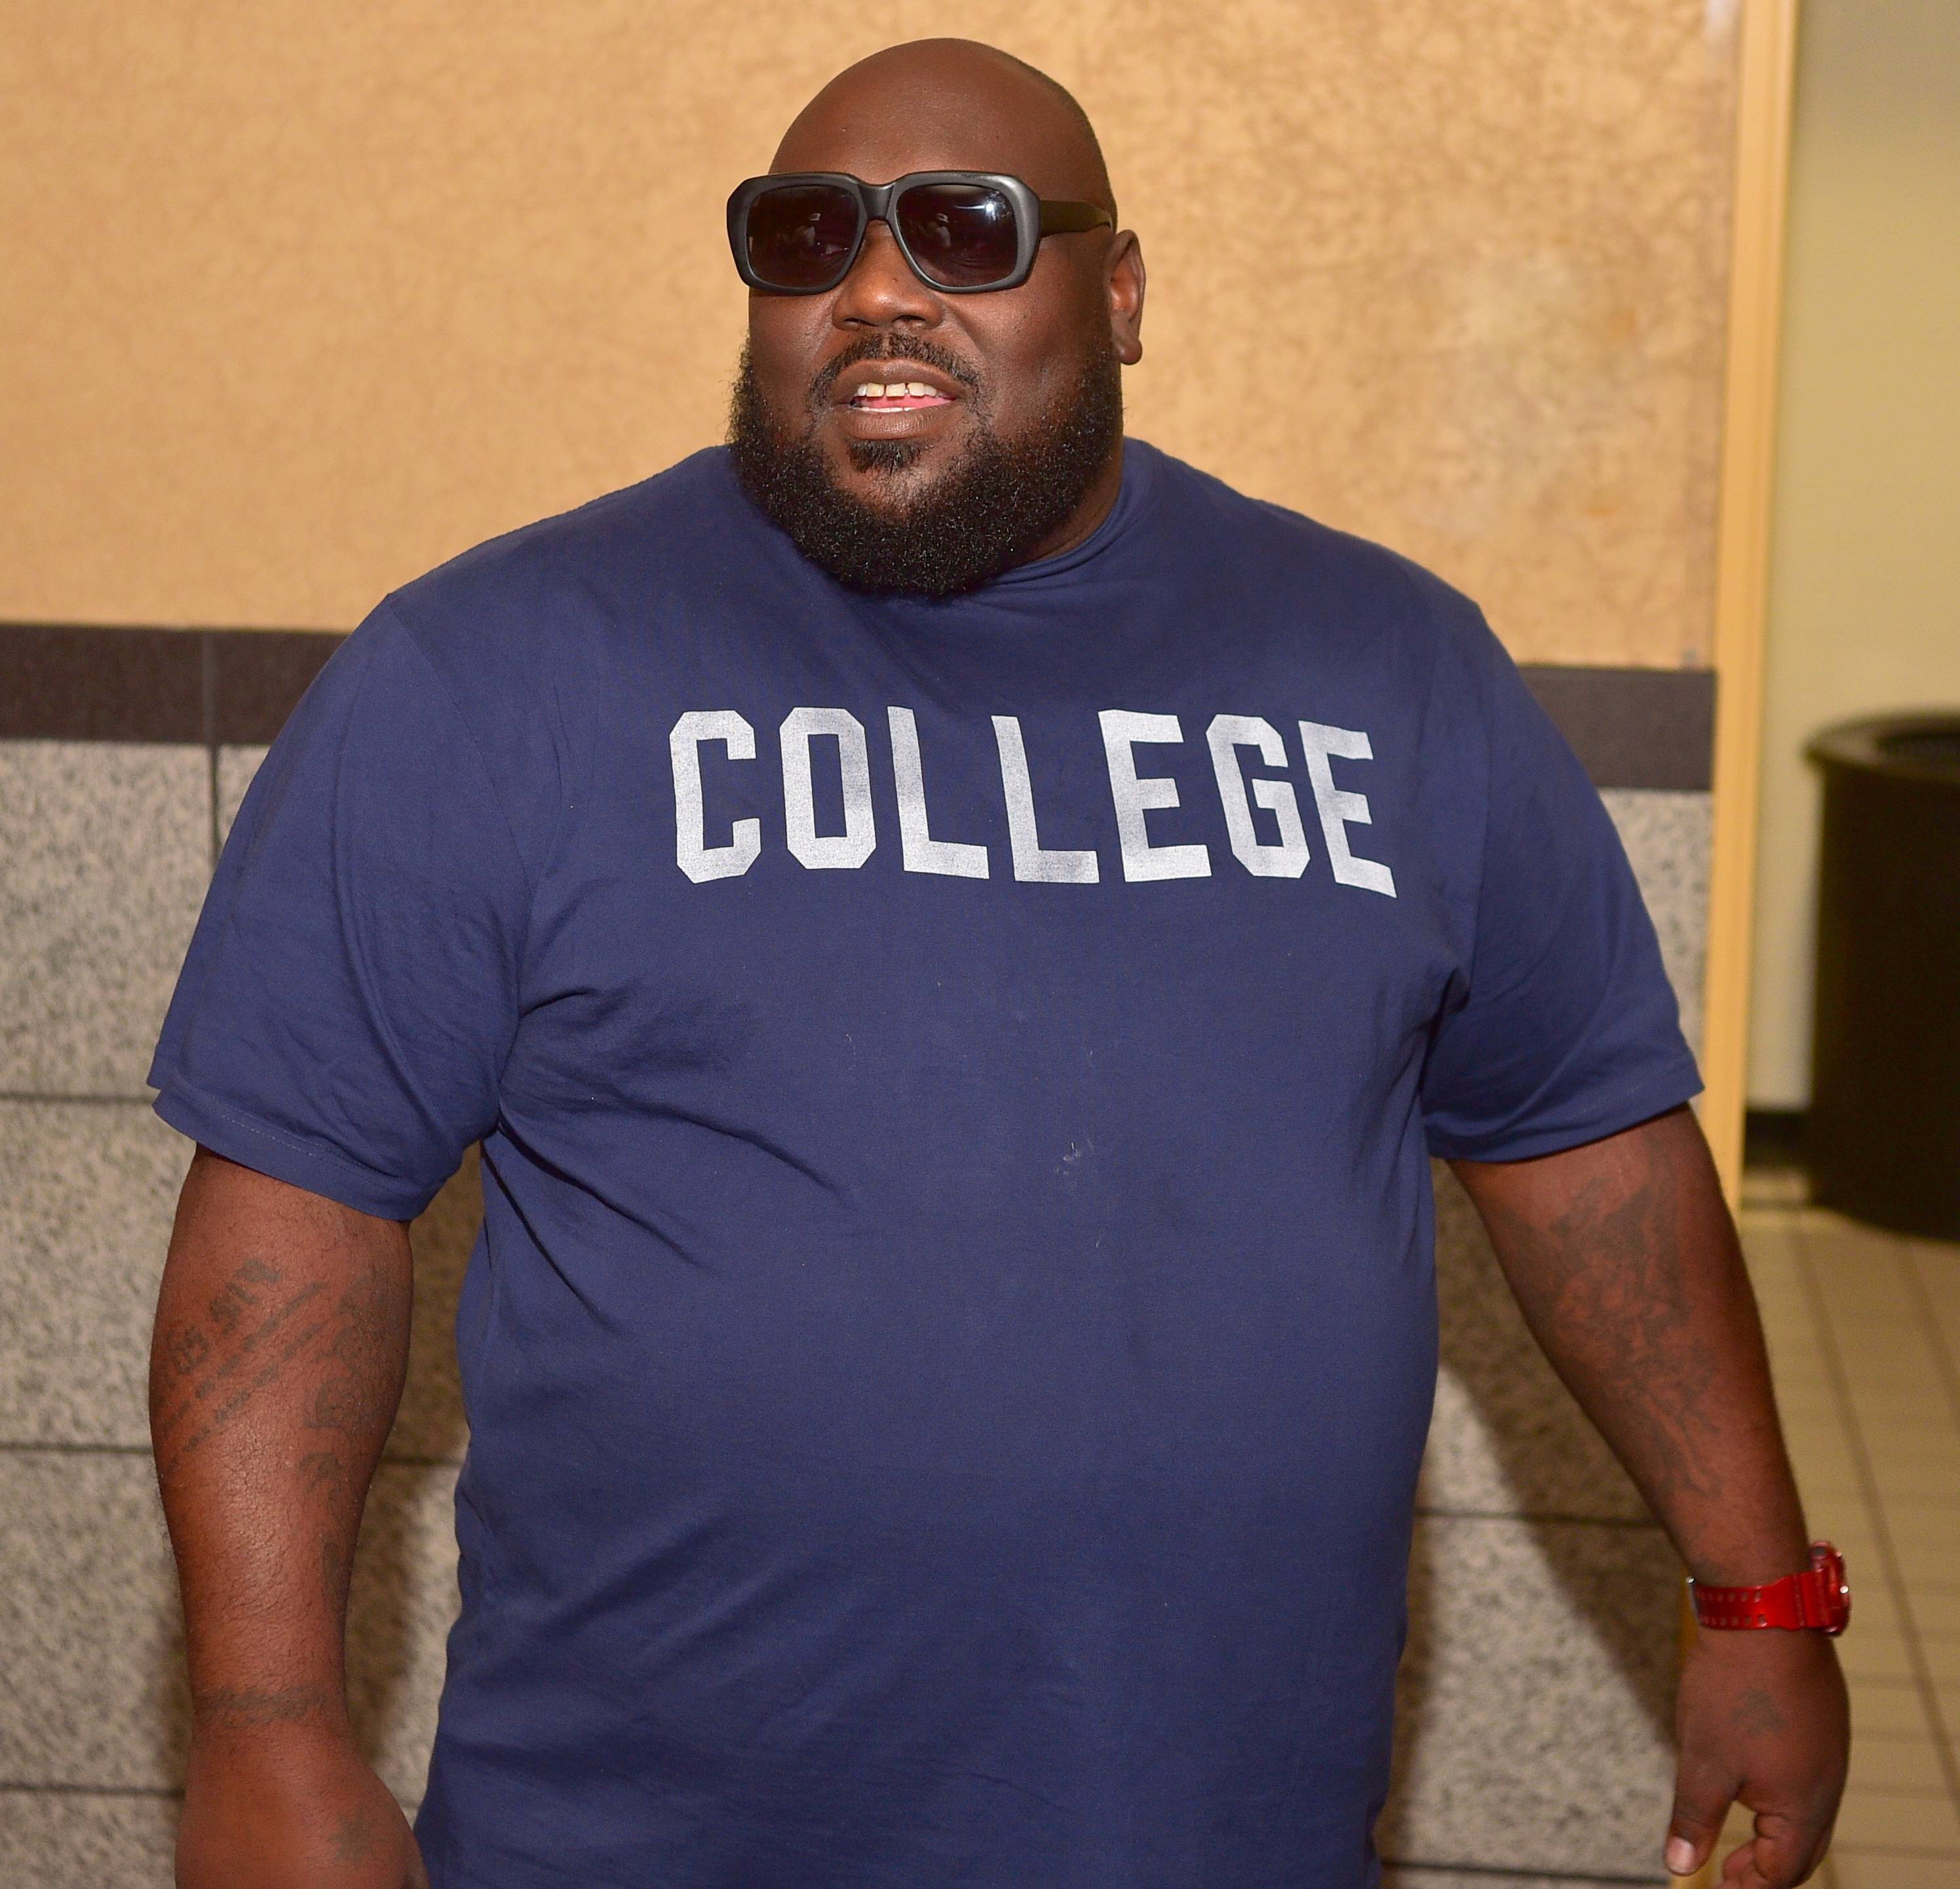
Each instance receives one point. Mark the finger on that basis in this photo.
(1784, 1853)
(1701, 1800)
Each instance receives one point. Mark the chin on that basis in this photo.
(934, 514)
(877, 466)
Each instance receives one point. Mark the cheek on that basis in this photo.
(786, 334)
(1032, 350)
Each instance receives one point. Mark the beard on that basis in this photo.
(986, 513)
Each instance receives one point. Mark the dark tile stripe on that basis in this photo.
(59, 683)
(1632, 727)
(260, 676)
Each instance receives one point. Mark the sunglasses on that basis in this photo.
(961, 231)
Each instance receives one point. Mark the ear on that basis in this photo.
(1124, 275)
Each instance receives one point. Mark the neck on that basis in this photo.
(1095, 506)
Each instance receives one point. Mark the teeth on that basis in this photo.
(894, 390)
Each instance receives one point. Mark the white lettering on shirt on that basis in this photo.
(1226, 736)
(1033, 860)
(1135, 796)
(1339, 809)
(922, 853)
(853, 846)
(693, 854)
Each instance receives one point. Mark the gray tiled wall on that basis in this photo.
(1535, 1695)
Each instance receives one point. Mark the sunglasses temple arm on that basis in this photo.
(1061, 218)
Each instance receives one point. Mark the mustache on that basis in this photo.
(927, 354)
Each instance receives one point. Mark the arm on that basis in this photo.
(280, 1344)
(1623, 1256)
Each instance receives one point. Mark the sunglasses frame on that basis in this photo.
(1034, 218)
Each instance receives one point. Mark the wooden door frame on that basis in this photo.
(1765, 84)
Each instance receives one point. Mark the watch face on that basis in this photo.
(1828, 1562)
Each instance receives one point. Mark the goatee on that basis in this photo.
(985, 514)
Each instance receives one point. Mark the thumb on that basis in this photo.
(1701, 1800)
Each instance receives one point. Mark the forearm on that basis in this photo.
(1623, 1258)
(276, 1370)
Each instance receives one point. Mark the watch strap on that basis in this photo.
(1819, 1597)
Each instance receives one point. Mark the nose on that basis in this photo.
(881, 290)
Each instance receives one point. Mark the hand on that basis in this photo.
(291, 1815)
(1763, 1721)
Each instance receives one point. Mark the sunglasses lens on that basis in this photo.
(961, 235)
(798, 236)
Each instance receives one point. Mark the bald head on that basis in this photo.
(950, 105)
(910, 435)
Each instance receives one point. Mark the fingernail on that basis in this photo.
(1680, 1856)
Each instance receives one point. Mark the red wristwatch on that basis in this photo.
(1819, 1597)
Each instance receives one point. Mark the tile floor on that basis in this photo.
(1864, 1337)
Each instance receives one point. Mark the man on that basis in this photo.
(957, 936)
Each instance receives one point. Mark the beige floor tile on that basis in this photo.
(1884, 1421)
(1842, 1482)
(1889, 1372)
(1856, 1870)
(1919, 1447)
(1800, 1394)
(1930, 1486)
(1872, 1312)
(1872, 1610)
(1906, 1435)
(1913, 1524)
(1834, 1515)
(1922, 1564)
(1925, 1821)
(1862, 1334)
(1885, 1709)
(1869, 1349)
(1833, 1479)
(1875, 1653)
(1941, 1651)
(1885, 1767)
(1934, 1612)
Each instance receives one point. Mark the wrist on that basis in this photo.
(1751, 1562)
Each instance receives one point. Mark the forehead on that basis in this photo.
(881, 127)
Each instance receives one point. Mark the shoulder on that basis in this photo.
(523, 640)
(534, 589)
(1341, 588)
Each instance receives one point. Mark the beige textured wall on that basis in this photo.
(300, 300)
(1865, 574)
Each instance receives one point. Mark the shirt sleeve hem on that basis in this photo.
(284, 1157)
(1679, 1081)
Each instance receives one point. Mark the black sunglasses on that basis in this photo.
(962, 231)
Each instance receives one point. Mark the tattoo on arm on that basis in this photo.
(1606, 1285)
(241, 1709)
(258, 1331)
(355, 1839)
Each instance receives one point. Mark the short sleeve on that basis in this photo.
(351, 992)
(1566, 1028)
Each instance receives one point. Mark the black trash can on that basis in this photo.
(1883, 1138)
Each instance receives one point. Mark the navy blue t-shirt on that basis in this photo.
(953, 1330)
